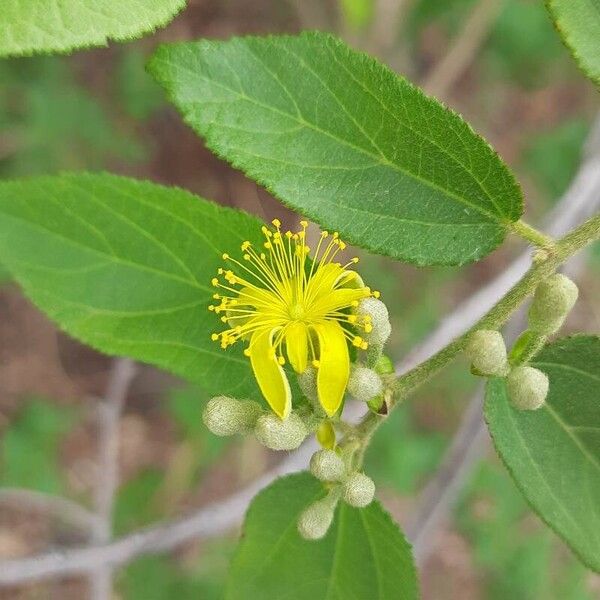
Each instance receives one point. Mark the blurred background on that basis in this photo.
(497, 62)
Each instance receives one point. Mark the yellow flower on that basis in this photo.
(285, 305)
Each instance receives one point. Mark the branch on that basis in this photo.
(471, 440)
(52, 506)
(220, 516)
(463, 49)
(108, 416)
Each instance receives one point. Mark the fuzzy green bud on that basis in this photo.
(358, 490)
(527, 388)
(487, 352)
(384, 365)
(276, 434)
(227, 416)
(553, 300)
(364, 383)
(327, 465)
(315, 520)
(380, 321)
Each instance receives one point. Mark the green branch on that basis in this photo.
(543, 267)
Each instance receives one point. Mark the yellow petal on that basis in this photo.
(338, 299)
(296, 343)
(334, 365)
(268, 372)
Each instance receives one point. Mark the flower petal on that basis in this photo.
(296, 343)
(334, 365)
(268, 372)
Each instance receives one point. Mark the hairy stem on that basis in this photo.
(406, 384)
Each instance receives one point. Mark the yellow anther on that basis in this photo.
(352, 318)
(364, 346)
(268, 245)
(214, 281)
(368, 328)
(355, 260)
(342, 245)
(247, 352)
(224, 319)
(303, 223)
(281, 360)
(324, 234)
(211, 307)
(225, 256)
(316, 364)
(247, 257)
(246, 245)
(376, 294)
(214, 337)
(276, 222)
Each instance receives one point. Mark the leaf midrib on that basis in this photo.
(386, 163)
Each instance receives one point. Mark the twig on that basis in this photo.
(56, 507)
(216, 518)
(471, 439)
(463, 48)
(108, 416)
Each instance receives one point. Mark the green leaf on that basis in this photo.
(363, 556)
(553, 454)
(28, 27)
(137, 502)
(125, 266)
(578, 23)
(29, 449)
(346, 142)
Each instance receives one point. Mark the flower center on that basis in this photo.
(297, 312)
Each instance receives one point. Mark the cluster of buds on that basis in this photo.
(352, 487)
(226, 416)
(527, 386)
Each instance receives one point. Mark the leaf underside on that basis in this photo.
(553, 453)
(35, 26)
(125, 266)
(343, 140)
(363, 555)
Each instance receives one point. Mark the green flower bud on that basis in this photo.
(308, 383)
(358, 490)
(364, 383)
(380, 321)
(384, 365)
(326, 435)
(228, 416)
(315, 520)
(327, 465)
(276, 434)
(553, 300)
(527, 388)
(487, 352)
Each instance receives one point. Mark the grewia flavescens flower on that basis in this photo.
(289, 307)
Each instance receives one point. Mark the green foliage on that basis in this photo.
(523, 45)
(553, 453)
(401, 456)
(357, 13)
(29, 449)
(497, 521)
(552, 156)
(137, 502)
(345, 141)
(159, 578)
(49, 122)
(578, 23)
(363, 555)
(4, 274)
(125, 266)
(138, 93)
(63, 25)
